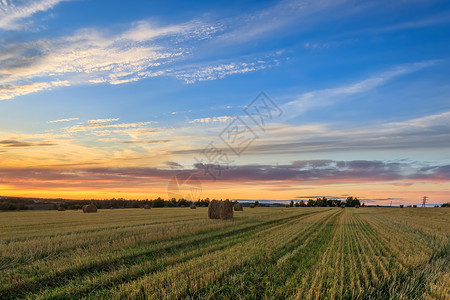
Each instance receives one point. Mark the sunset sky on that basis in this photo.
(102, 99)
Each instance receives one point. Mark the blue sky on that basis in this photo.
(102, 84)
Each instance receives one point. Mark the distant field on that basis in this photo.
(273, 253)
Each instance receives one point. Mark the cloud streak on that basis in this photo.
(63, 120)
(12, 16)
(329, 172)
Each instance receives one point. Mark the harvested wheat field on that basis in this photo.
(273, 253)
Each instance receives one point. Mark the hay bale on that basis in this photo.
(252, 205)
(238, 207)
(90, 208)
(214, 209)
(220, 210)
(286, 205)
(227, 210)
(183, 206)
(378, 206)
(356, 206)
(147, 206)
(401, 205)
(342, 205)
(61, 208)
(414, 206)
(193, 206)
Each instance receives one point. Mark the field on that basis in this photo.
(273, 253)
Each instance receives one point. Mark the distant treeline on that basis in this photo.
(17, 203)
(324, 202)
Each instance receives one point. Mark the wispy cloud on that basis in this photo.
(221, 119)
(17, 143)
(12, 16)
(336, 172)
(213, 72)
(63, 120)
(92, 56)
(102, 127)
(96, 121)
(328, 97)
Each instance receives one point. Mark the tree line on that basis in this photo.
(325, 202)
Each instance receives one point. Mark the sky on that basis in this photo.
(255, 100)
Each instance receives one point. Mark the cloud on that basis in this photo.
(16, 143)
(63, 120)
(336, 172)
(428, 132)
(213, 72)
(145, 142)
(329, 97)
(11, 15)
(94, 126)
(96, 121)
(221, 119)
(174, 165)
(93, 56)
(9, 90)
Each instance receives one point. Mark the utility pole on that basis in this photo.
(424, 200)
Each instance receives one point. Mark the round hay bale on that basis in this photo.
(193, 206)
(414, 206)
(226, 211)
(214, 209)
(61, 208)
(147, 206)
(183, 206)
(342, 206)
(356, 206)
(90, 208)
(252, 205)
(238, 207)
(220, 210)
(401, 205)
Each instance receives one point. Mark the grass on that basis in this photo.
(263, 253)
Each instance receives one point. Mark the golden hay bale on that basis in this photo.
(342, 205)
(214, 209)
(220, 210)
(238, 207)
(227, 210)
(147, 206)
(193, 206)
(90, 208)
(356, 206)
(61, 208)
(287, 206)
(252, 205)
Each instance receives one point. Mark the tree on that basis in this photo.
(291, 204)
(446, 204)
(158, 202)
(256, 202)
(311, 203)
(352, 202)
